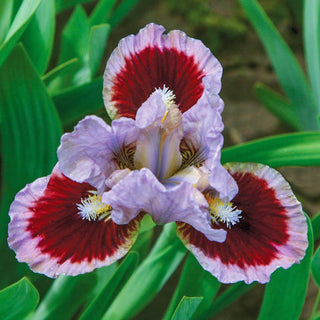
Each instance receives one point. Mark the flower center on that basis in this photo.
(223, 212)
(92, 208)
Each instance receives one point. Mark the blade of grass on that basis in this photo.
(97, 44)
(315, 267)
(285, 65)
(99, 304)
(311, 33)
(38, 37)
(75, 46)
(101, 12)
(294, 149)
(65, 4)
(149, 277)
(6, 8)
(121, 12)
(65, 297)
(316, 226)
(19, 24)
(205, 285)
(67, 67)
(186, 308)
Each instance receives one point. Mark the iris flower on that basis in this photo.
(161, 156)
(87, 213)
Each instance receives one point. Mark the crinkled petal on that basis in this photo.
(202, 137)
(94, 149)
(149, 60)
(272, 231)
(47, 232)
(141, 191)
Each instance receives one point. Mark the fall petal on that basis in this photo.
(271, 233)
(48, 233)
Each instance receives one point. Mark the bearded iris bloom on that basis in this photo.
(160, 157)
(87, 213)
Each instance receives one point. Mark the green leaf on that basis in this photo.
(285, 293)
(311, 33)
(143, 244)
(55, 76)
(19, 24)
(64, 297)
(101, 12)
(234, 292)
(315, 267)
(74, 44)
(103, 275)
(75, 36)
(285, 65)
(99, 304)
(316, 226)
(186, 308)
(77, 102)
(30, 128)
(97, 44)
(122, 11)
(39, 35)
(294, 149)
(149, 277)
(6, 8)
(278, 105)
(194, 281)
(65, 4)
(17, 300)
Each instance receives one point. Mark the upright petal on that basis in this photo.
(140, 191)
(149, 60)
(48, 232)
(159, 137)
(94, 149)
(202, 143)
(271, 232)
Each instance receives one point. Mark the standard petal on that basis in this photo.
(149, 60)
(140, 191)
(94, 149)
(159, 137)
(201, 146)
(222, 182)
(48, 233)
(271, 233)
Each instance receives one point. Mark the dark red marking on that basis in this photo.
(152, 68)
(253, 240)
(64, 234)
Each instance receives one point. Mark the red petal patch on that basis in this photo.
(65, 235)
(153, 68)
(262, 227)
